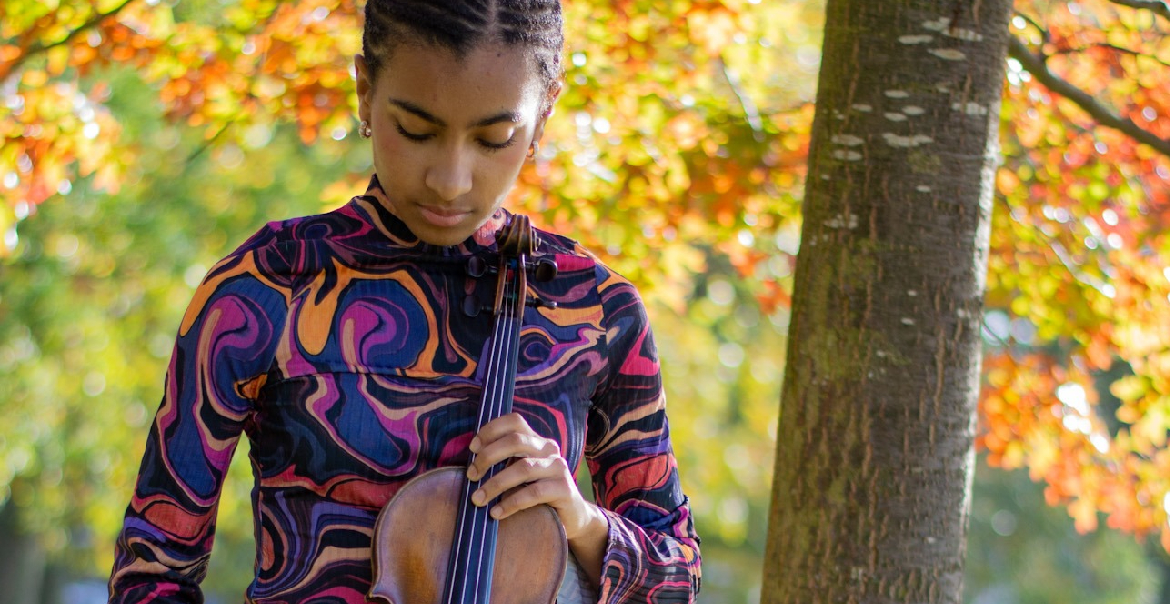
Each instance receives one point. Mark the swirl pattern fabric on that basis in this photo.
(339, 347)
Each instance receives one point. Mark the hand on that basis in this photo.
(536, 474)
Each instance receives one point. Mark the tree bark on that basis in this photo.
(874, 454)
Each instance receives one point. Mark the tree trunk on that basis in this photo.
(874, 450)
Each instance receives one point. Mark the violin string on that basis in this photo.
(510, 324)
(515, 324)
(512, 317)
(462, 545)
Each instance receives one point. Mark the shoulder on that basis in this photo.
(307, 230)
(590, 278)
(283, 248)
(571, 256)
(274, 259)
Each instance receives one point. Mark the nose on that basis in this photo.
(449, 176)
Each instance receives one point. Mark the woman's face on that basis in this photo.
(450, 135)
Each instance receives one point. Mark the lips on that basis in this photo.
(442, 217)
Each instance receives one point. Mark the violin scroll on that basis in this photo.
(515, 238)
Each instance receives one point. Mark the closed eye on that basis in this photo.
(412, 136)
(426, 136)
(498, 146)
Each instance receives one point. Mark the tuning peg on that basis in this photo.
(477, 267)
(538, 302)
(545, 269)
(472, 306)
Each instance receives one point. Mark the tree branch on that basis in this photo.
(1035, 65)
(998, 340)
(1120, 49)
(41, 47)
(750, 111)
(1043, 32)
(1159, 7)
(207, 144)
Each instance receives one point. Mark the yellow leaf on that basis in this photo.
(35, 78)
(1129, 388)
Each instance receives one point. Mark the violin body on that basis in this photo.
(415, 531)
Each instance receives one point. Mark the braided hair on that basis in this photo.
(461, 25)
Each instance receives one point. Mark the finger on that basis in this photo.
(513, 445)
(498, 428)
(519, 473)
(553, 492)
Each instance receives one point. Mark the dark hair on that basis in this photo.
(461, 25)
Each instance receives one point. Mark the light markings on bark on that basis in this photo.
(897, 140)
(915, 39)
(844, 155)
(840, 221)
(847, 139)
(948, 54)
(970, 108)
(943, 26)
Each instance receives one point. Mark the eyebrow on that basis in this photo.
(502, 117)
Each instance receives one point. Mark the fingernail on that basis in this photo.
(471, 473)
(478, 498)
(474, 446)
(497, 512)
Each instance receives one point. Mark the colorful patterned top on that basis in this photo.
(339, 345)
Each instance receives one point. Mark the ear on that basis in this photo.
(365, 86)
(554, 91)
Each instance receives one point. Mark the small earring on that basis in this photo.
(364, 129)
(533, 150)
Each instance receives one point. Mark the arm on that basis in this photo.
(652, 553)
(224, 348)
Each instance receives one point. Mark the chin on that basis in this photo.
(445, 237)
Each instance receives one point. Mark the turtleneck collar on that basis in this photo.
(376, 208)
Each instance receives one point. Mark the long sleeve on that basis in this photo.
(224, 348)
(653, 551)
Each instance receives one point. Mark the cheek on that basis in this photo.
(394, 155)
(503, 167)
(386, 143)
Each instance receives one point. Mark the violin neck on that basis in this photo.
(502, 352)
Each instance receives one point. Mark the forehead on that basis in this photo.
(489, 79)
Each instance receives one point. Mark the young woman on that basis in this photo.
(339, 345)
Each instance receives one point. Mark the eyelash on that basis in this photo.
(418, 138)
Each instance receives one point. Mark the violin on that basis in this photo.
(432, 545)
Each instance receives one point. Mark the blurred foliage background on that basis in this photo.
(142, 147)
